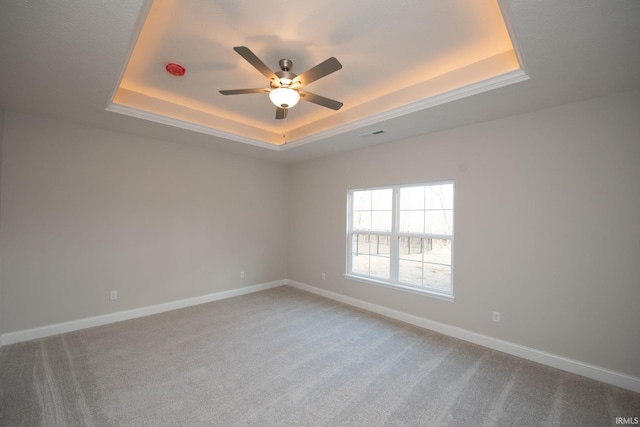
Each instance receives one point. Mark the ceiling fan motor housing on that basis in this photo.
(285, 64)
(285, 76)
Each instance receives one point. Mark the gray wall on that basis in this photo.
(547, 226)
(1, 139)
(85, 211)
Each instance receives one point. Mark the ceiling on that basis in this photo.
(464, 44)
(409, 68)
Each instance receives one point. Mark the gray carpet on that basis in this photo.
(285, 357)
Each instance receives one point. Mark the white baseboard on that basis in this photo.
(598, 373)
(89, 322)
(604, 375)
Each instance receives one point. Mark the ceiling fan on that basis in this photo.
(285, 87)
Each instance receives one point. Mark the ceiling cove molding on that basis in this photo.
(145, 115)
(489, 84)
(137, 29)
(492, 83)
(505, 9)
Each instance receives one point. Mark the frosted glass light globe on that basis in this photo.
(283, 97)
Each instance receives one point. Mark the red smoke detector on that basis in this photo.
(175, 69)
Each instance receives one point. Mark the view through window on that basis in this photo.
(402, 236)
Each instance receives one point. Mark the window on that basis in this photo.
(402, 236)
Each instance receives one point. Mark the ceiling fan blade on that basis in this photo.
(252, 59)
(320, 100)
(243, 91)
(322, 69)
(281, 113)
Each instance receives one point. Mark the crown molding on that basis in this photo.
(489, 84)
(182, 124)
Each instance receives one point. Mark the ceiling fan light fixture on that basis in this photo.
(284, 85)
(284, 97)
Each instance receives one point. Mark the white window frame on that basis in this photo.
(395, 235)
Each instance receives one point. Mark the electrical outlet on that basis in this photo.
(324, 276)
(242, 274)
(496, 316)
(113, 295)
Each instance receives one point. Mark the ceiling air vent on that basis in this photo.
(374, 133)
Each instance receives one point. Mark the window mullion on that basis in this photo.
(349, 260)
(394, 244)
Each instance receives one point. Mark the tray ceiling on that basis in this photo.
(397, 58)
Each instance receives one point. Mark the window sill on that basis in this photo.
(410, 289)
